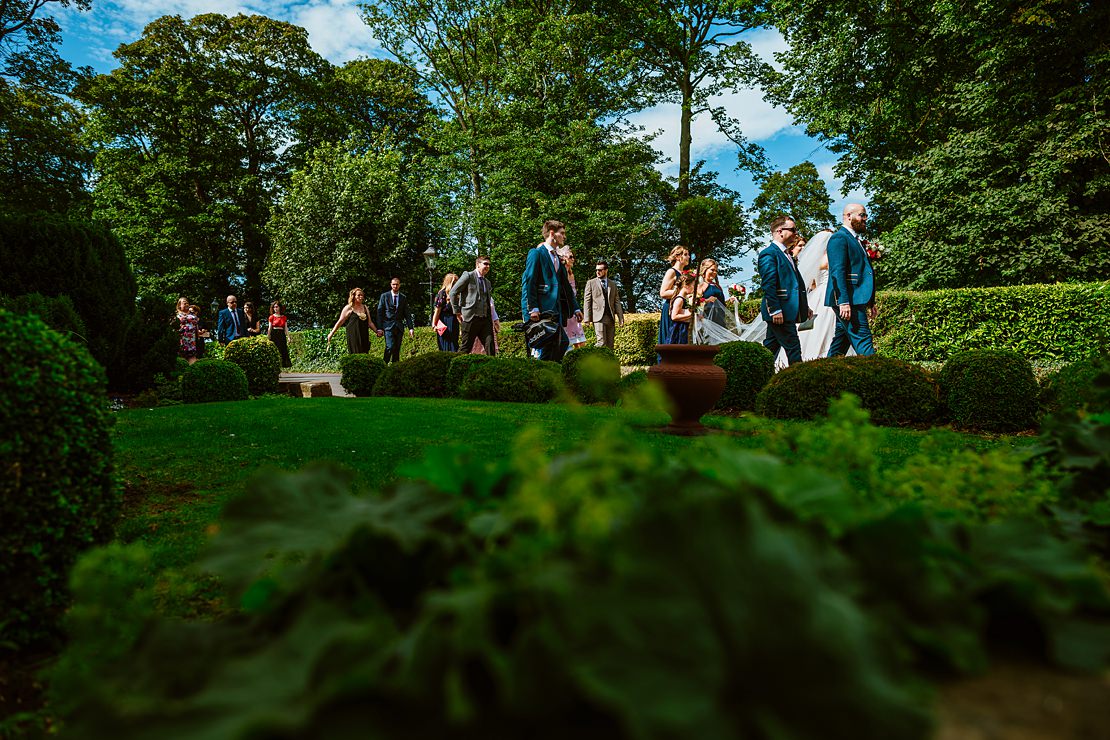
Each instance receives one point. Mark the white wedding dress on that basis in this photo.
(815, 342)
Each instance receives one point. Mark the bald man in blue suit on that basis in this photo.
(851, 289)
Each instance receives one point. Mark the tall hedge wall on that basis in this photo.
(1043, 322)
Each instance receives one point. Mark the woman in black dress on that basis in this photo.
(356, 316)
(449, 337)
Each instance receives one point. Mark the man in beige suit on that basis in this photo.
(603, 305)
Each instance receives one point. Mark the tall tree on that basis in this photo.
(800, 193)
(195, 134)
(979, 128)
(690, 51)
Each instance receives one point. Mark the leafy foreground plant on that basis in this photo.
(606, 593)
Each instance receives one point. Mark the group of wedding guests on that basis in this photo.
(818, 296)
(232, 323)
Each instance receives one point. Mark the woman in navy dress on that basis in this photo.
(682, 314)
(679, 259)
(449, 339)
(710, 290)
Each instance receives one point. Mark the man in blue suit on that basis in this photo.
(545, 288)
(232, 322)
(784, 291)
(393, 317)
(851, 289)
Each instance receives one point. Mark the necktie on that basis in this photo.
(235, 320)
(554, 260)
(395, 300)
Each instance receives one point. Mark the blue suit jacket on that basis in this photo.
(544, 288)
(851, 279)
(783, 287)
(225, 329)
(390, 318)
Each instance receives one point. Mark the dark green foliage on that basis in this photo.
(214, 380)
(592, 374)
(57, 256)
(259, 359)
(635, 342)
(513, 379)
(150, 344)
(310, 351)
(1074, 387)
(1042, 322)
(749, 366)
(1074, 453)
(460, 368)
(633, 380)
(415, 377)
(511, 343)
(57, 491)
(360, 372)
(894, 392)
(990, 390)
(57, 312)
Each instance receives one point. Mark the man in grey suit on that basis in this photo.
(603, 305)
(471, 301)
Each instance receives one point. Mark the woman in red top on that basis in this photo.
(277, 330)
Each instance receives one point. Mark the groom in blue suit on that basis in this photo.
(784, 291)
(851, 288)
(545, 288)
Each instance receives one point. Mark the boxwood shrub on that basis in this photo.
(990, 390)
(360, 373)
(415, 377)
(1076, 387)
(58, 495)
(635, 342)
(214, 380)
(460, 367)
(592, 374)
(895, 392)
(259, 359)
(749, 366)
(514, 379)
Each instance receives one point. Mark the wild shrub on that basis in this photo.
(592, 374)
(214, 380)
(990, 390)
(513, 379)
(58, 495)
(749, 366)
(360, 373)
(259, 359)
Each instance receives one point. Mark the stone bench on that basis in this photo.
(315, 389)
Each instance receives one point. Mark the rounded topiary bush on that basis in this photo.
(422, 376)
(461, 367)
(513, 379)
(1076, 387)
(749, 366)
(259, 359)
(893, 391)
(58, 495)
(214, 380)
(360, 373)
(990, 389)
(592, 374)
(633, 380)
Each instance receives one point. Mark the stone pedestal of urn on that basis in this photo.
(692, 382)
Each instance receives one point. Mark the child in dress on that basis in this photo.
(682, 314)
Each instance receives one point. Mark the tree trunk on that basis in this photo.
(684, 138)
(629, 295)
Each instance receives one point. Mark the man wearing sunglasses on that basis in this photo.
(603, 305)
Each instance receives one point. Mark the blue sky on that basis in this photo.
(337, 33)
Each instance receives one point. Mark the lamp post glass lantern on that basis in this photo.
(430, 261)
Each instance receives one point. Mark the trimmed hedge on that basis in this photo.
(592, 374)
(460, 367)
(749, 367)
(58, 495)
(895, 392)
(360, 373)
(513, 379)
(422, 376)
(990, 390)
(214, 380)
(1080, 386)
(259, 359)
(1041, 322)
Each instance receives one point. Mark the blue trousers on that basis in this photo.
(556, 348)
(784, 336)
(855, 332)
(393, 345)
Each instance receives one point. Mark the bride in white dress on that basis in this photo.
(813, 265)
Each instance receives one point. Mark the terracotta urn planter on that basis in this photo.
(692, 381)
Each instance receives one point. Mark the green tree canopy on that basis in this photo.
(799, 193)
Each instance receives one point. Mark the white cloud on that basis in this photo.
(836, 189)
(335, 30)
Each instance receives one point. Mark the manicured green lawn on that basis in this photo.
(180, 464)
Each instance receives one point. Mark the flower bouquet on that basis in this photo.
(874, 249)
(736, 295)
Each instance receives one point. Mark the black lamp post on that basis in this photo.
(430, 261)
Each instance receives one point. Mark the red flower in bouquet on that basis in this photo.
(874, 249)
(737, 292)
